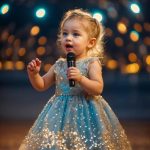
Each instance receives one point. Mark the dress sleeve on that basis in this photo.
(93, 59)
(57, 64)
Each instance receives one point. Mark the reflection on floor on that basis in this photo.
(12, 133)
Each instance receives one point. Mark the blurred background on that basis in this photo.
(28, 29)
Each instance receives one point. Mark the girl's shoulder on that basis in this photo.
(60, 60)
(59, 63)
(89, 60)
(92, 59)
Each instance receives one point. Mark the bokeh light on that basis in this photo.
(42, 40)
(134, 36)
(47, 67)
(0, 65)
(132, 68)
(148, 60)
(21, 52)
(121, 27)
(19, 65)
(112, 12)
(108, 32)
(98, 16)
(4, 9)
(35, 30)
(112, 64)
(9, 65)
(118, 41)
(135, 8)
(147, 26)
(40, 12)
(147, 40)
(138, 27)
(132, 57)
(41, 50)
(9, 52)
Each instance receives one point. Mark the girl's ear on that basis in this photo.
(91, 43)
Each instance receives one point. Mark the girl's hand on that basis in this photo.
(74, 73)
(34, 66)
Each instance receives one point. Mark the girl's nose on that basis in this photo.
(68, 38)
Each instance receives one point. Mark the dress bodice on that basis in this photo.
(62, 83)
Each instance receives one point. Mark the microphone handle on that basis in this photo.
(71, 63)
(71, 81)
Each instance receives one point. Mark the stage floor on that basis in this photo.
(13, 132)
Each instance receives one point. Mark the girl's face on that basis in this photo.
(74, 37)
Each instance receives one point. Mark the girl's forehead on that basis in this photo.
(78, 19)
(75, 22)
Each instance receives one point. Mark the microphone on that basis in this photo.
(71, 63)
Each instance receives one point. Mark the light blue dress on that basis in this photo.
(71, 120)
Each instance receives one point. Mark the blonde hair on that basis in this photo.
(95, 30)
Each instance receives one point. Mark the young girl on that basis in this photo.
(75, 118)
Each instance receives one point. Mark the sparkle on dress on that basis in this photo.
(72, 120)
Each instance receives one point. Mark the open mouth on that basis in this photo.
(69, 46)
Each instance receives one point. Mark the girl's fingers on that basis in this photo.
(34, 63)
(71, 69)
(38, 62)
(29, 68)
(33, 66)
(73, 73)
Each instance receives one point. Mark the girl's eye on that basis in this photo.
(76, 34)
(65, 33)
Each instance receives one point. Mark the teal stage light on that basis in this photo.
(40, 12)
(4, 9)
(135, 8)
(98, 16)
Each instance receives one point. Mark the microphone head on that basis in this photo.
(70, 56)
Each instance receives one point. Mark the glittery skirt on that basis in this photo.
(76, 123)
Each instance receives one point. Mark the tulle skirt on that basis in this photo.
(76, 123)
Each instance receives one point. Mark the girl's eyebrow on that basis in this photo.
(64, 30)
(75, 30)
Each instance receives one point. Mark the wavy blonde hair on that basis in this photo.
(95, 30)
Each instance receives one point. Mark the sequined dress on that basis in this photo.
(72, 121)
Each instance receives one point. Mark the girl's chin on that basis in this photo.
(68, 51)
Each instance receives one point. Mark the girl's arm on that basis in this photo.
(92, 85)
(39, 82)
